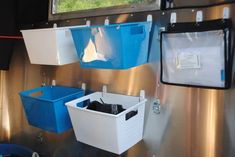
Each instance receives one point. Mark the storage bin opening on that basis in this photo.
(58, 47)
(116, 46)
(52, 93)
(113, 133)
(48, 111)
(107, 99)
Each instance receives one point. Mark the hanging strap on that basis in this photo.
(10, 37)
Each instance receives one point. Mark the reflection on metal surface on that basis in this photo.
(4, 111)
(122, 18)
(211, 126)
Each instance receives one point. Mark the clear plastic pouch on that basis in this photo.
(198, 56)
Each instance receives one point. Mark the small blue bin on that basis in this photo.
(13, 150)
(117, 46)
(45, 107)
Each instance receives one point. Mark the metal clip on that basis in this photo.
(157, 106)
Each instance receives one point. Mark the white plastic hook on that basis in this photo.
(53, 82)
(104, 88)
(88, 23)
(199, 16)
(150, 18)
(106, 21)
(226, 13)
(142, 95)
(173, 18)
(55, 25)
(84, 86)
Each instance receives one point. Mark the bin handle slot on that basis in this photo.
(36, 94)
(137, 30)
(131, 114)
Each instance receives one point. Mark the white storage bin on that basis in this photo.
(51, 46)
(109, 132)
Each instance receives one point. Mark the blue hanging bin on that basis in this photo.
(117, 46)
(45, 107)
(13, 150)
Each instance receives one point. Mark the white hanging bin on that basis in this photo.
(50, 46)
(113, 133)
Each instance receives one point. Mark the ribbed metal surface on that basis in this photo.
(193, 122)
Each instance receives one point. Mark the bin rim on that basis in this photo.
(112, 25)
(9, 146)
(84, 98)
(51, 28)
(23, 94)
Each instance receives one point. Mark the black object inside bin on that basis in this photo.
(104, 107)
(108, 108)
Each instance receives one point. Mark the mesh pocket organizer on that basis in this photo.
(197, 54)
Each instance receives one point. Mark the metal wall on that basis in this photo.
(193, 122)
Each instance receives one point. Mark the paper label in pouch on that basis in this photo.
(188, 61)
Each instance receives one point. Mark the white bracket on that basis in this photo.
(53, 83)
(88, 23)
(84, 86)
(104, 89)
(173, 18)
(161, 29)
(226, 13)
(55, 25)
(106, 21)
(199, 16)
(142, 95)
(149, 18)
